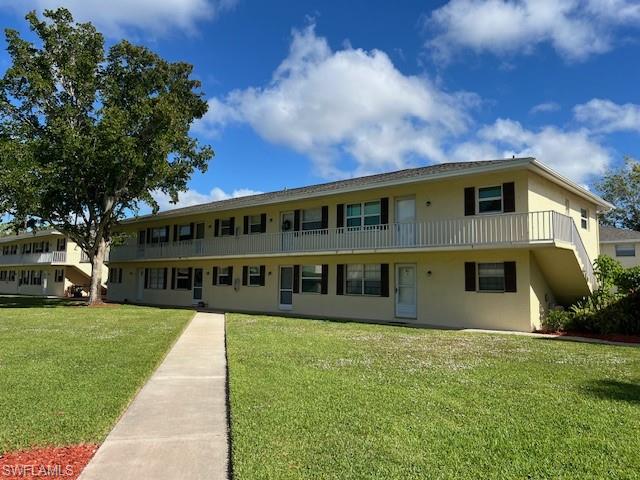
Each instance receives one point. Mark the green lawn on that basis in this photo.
(67, 372)
(314, 399)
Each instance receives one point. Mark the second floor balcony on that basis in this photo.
(41, 258)
(517, 229)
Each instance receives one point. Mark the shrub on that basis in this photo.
(628, 280)
(556, 320)
(607, 271)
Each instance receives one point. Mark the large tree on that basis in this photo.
(622, 188)
(87, 134)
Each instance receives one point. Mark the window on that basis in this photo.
(115, 275)
(200, 231)
(183, 279)
(224, 276)
(12, 276)
(156, 278)
(255, 278)
(255, 224)
(26, 248)
(363, 214)
(61, 244)
(226, 227)
(626, 250)
(185, 232)
(3, 275)
(36, 277)
(159, 235)
(491, 277)
(39, 247)
(584, 218)
(58, 275)
(5, 250)
(364, 280)
(312, 219)
(490, 199)
(311, 279)
(24, 277)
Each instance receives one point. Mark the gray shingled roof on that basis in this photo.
(369, 181)
(613, 234)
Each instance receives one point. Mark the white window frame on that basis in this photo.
(631, 247)
(187, 236)
(363, 215)
(223, 272)
(364, 268)
(227, 227)
(584, 218)
(58, 275)
(160, 233)
(36, 277)
(306, 276)
(479, 276)
(182, 274)
(155, 280)
(255, 224)
(12, 275)
(489, 199)
(316, 218)
(3, 275)
(254, 276)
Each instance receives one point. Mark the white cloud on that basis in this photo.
(606, 116)
(116, 17)
(576, 29)
(193, 197)
(324, 103)
(545, 107)
(571, 152)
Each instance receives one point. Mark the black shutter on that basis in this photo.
(384, 210)
(232, 225)
(142, 234)
(200, 230)
(470, 276)
(246, 225)
(166, 232)
(230, 277)
(148, 235)
(325, 216)
(192, 227)
(245, 275)
(324, 287)
(510, 277)
(164, 278)
(190, 278)
(384, 280)
(470, 201)
(119, 275)
(216, 228)
(262, 274)
(508, 197)
(296, 220)
(215, 275)
(175, 233)
(340, 279)
(340, 215)
(296, 279)
(173, 279)
(263, 223)
(146, 278)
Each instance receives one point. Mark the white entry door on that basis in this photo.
(406, 291)
(406, 221)
(197, 285)
(286, 288)
(140, 290)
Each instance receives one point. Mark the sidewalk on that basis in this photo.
(177, 425)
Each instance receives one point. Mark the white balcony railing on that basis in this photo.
(33, 258)
(479, 230)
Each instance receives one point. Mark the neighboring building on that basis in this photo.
(43, 263)
(490, 244)
(621, 244)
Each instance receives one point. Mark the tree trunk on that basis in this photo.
(97, 263)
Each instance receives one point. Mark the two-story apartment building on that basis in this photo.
(489, 244)
(621, 244)
(42, 263)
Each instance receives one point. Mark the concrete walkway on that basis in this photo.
(176, 427)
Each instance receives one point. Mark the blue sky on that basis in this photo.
(305, 91)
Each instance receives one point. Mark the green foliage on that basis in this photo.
(628, 280)
(607, 271)
(622, 188)
(556, 320)
(86, 136)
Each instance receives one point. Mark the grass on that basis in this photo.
(322, 400)
(67, 372)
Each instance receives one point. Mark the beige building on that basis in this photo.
(491, 244)
(621, 244)
(43, 263)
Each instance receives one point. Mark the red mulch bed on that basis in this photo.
(613, 337)
(52, 462)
